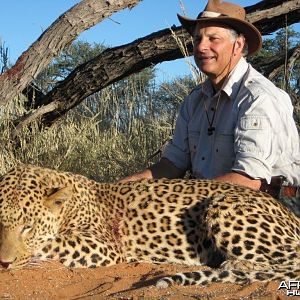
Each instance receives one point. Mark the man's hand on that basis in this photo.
(146, 174)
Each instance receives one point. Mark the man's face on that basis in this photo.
(215, 51)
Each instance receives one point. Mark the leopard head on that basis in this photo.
(31, 205)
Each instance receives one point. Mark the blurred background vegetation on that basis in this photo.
(120, 129)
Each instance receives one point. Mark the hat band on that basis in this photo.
(209, 14)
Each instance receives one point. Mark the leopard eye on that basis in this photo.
(26, 228)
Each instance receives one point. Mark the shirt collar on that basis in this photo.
(232, 83)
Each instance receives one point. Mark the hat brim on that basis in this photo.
(251, 33)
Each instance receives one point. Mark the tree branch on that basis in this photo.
(271, 67)
(61, 33)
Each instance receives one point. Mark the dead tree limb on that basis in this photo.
(61, 33)
(269, 16)
(271, 67)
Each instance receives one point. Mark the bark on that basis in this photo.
(271, 67)
(117, 63)
(60, 34)
(269, 16)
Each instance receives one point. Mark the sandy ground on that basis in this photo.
(124, 281)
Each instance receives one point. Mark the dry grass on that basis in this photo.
(109, 136)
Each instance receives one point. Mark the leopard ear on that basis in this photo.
(57, 197)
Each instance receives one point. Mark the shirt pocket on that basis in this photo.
(253, 123)
(254, 135)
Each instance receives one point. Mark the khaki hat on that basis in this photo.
(229, 14)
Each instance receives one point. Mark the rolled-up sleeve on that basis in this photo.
(256, 137)
(177, 150)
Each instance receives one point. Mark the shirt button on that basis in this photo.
(217, 150)
(203, 158)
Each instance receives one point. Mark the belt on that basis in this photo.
(277, 188)
(289, 191)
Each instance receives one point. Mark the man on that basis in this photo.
(236, 126)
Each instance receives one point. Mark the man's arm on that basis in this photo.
(162, 169)
(166, 169)
(240, 179)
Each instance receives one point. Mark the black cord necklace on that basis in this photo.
(211, 128)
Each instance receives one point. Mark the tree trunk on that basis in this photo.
(61, 33)
(119, 62)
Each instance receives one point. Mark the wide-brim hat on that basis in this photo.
(228, 14)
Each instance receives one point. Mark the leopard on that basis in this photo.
(239, 234)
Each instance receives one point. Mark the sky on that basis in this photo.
(23, 21)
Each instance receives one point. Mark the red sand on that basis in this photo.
(124, 281)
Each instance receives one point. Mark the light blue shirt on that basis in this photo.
(255, 132)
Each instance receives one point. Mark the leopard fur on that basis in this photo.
(46, 214)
